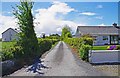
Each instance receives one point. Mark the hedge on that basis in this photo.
(83, 45)
(84, 52)
(15, 52)
(46, 44)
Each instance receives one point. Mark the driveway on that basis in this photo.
(62, 62)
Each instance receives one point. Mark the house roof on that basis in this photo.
(98, 30)
(9, 29)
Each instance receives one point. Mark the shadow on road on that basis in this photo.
(36, 67)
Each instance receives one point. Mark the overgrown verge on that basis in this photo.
(10, 51)
(83, 45)
(46, 44)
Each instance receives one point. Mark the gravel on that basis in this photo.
(111, 70)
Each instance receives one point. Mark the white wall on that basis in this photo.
(9, 35)
(104, 56)
(100, 41)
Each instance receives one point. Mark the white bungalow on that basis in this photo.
(9, 35)
(104, 35)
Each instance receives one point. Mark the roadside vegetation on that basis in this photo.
(11, 51)
(28, 47)
(105, 47)
(82, 45)
(0, 39)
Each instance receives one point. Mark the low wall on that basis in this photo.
(104, 56)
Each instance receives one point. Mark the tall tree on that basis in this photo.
(66, 32)
(27, 37)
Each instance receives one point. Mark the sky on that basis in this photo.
(50, 17)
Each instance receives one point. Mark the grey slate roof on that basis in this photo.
(9, 29)
(97, 30)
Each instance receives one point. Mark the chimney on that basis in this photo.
(115, 25)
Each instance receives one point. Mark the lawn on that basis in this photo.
(101, 47)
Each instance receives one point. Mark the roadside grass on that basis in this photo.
(102, 47)
(99, 48)
(53, 45)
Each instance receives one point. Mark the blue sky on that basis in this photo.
(53, 15)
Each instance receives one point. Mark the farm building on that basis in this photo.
(9, 35)
(103, 35)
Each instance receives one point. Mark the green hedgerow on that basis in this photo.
(84, 52)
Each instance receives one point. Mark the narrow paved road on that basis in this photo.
(63, 63)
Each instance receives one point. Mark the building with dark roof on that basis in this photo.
(9, 35)
(102, 34)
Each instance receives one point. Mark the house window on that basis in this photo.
(114, 39)
(105, 37)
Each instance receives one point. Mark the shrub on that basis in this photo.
(18, 53)
(10, 50)
(6, 52)
(83, 45)
(84, 52)
(7, 55)
(118, 47)
(44, 45)
(87, 40)
(11, 53)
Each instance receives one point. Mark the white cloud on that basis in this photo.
(49, 23)
(99, 17)
(102, 25)
(88, 13)
(59, 29)
(99, 6)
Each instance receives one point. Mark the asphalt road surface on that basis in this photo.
(61, 62)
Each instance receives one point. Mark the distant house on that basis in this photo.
(103, 35)
(9, 35)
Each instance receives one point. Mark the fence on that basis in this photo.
(104, 56)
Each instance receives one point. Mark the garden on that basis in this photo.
(106, 47)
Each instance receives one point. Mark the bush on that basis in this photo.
(10, 50)
(7, 55)
(75, 42)
(11, 53)
(84, 52)
(17, 51)
(44, 45)
(118, 47)
(83, 45)
(87, 41)
(6, 52)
